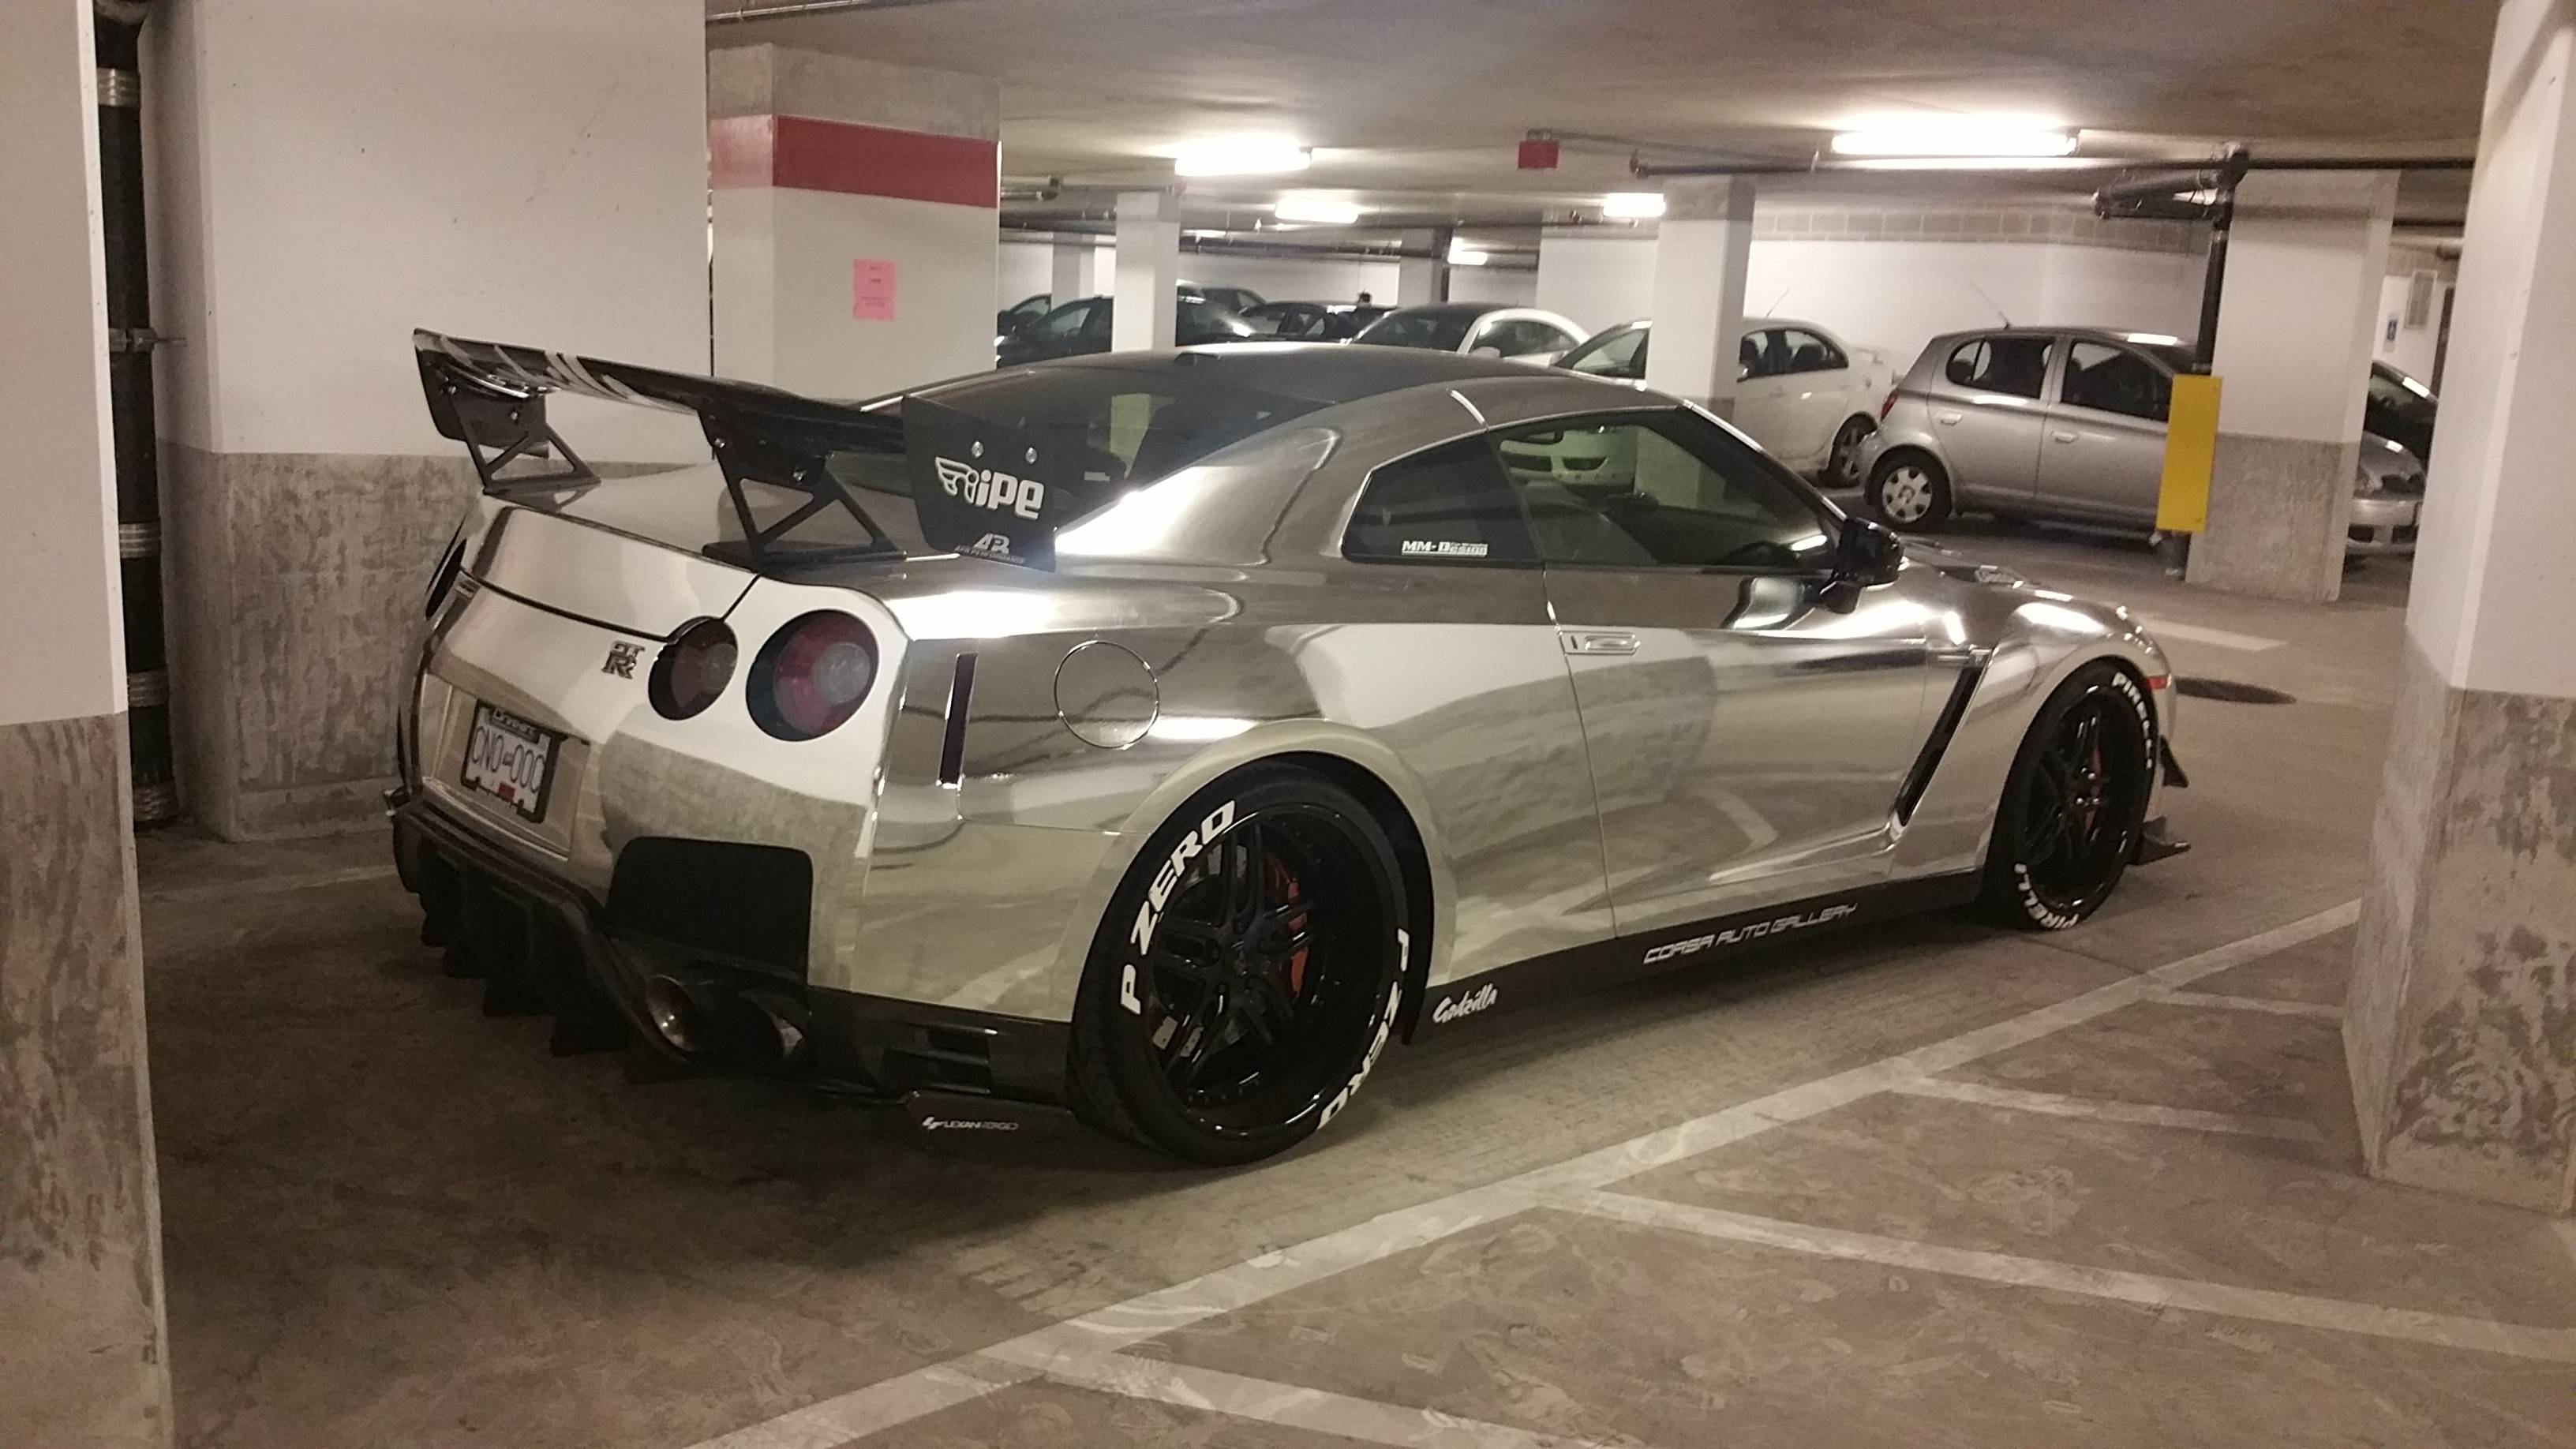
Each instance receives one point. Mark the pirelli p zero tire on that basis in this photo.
(1248, 974)
(2075, 804)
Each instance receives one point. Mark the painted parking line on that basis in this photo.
(2050, 1104)
(1124, 1325)
(2199, 634)
(1366, 1420)
(2312, 1010)
(2446, 1330)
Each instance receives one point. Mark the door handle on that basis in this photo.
(1596, 641)
(1947, 419)
(2063, 437)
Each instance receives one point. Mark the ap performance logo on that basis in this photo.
(986, 488)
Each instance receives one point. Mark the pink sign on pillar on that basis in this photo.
(872, 289)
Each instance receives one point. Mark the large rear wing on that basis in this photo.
(491, 397)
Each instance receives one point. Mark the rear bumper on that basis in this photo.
(2382, 524)
(542, 940)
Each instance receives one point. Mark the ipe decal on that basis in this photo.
(991, 488)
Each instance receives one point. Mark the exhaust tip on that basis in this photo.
(677, 1017)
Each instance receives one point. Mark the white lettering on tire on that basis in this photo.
(1149, 914)
(2040, 912)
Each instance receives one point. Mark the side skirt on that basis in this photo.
(1720, 938)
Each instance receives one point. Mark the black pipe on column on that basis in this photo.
(2213, 281)
(130, 340)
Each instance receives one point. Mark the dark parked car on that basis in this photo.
(2401, 410)
(1313, 321)
(1082, 326)
(1021, 313)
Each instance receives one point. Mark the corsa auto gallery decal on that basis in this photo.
(1467, 1005)
(1737, 935)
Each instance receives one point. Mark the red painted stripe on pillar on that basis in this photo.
(803, 154)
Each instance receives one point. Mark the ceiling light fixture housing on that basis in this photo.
(1241, 156)
(1321, 208)
(1945, 135)
(1466, 256)
(1633, 205)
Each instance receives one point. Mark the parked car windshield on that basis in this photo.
(1436, 330)
(1620, 353)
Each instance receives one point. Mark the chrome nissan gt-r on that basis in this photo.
(1160, 735)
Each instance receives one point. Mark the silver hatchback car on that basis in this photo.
(2069, 423)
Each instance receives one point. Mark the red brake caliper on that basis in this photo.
(1283, 886)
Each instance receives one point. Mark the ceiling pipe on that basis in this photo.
(2078, 165)
(790, 9)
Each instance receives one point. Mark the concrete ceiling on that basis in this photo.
(1417, 104)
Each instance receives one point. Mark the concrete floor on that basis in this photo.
(1939, 1185)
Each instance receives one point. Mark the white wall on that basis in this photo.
(1596, 280)
(1027, 268)
(1497, 285)
(1898, 295)
(2304, 263)
(2411, 350)
(64, 656)
(312, 215)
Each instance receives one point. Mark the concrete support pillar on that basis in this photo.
(83, 1350)
(1423, 280)
(537, 175)
(1703, 248)
(2461, 1021)
(2295, 329)
(1596, 276)
(856, 220)
(1149, 270)
(1076, 270)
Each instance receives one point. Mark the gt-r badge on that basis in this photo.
(1467, 1005)
(621, 659)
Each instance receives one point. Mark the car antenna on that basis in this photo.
(1776, 301)
(1989, 301)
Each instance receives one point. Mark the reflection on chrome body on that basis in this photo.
(1580, 753)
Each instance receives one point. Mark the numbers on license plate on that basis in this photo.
(510, 759)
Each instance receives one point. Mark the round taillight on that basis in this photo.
(812, 675)
(692, 670)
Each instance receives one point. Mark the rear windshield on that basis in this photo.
(1438, 331)
(1136, 427)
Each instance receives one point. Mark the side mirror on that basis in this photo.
(1869, 552)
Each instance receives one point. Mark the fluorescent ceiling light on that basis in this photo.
(1320, 207)
(1240, 156)
(1466, 256)
(1935, 133)
(1633, 205)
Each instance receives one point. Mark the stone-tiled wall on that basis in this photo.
(83, 1360)
(2461, 1022)
(1790, 221)
(295, 585)
(2278, 512)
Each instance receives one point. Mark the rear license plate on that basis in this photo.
(511, 760)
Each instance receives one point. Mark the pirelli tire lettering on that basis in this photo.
(1377, 1042)
(1752, 931)
(1159, 894)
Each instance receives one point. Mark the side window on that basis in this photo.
(1448, 504)
(1623, 356)
(2115, 380)
(2014, 365)
(1659, 490)
(1067, 320)
(1753, 356)
(1095, 323)
(1807, 352)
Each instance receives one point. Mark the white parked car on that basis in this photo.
(1476, 329)
(1805, 395)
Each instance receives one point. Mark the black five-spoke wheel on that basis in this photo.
(1248, 974)
(2075, 804)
